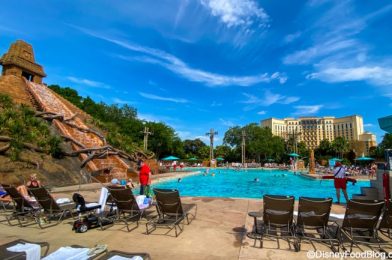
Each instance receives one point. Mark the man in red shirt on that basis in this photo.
(144, 176)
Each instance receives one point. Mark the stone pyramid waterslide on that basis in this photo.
(50, 103)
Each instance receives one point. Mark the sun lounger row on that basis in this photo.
(22, 249)
(124, 208)
(363, 222)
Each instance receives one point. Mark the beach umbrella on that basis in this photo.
(220, 159)
(336, 159)
(294, 155)
(192, 159)
(270, 160)
(170, 158)
(364, 158)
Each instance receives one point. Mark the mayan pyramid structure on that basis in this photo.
(22, 80)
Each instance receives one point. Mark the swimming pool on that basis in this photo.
(230, 183)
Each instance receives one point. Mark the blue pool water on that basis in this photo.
(241, 184)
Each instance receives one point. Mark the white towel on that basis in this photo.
(63, 200)
(117, 257)
(140, 200)
(103, 197)
(33, 251)
(68, 253)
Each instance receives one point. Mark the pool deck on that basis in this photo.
(218, 232)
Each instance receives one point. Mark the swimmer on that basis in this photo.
(256, 180)
(212, 174)
(179, 180)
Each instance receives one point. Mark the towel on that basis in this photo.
(33, 251)
(332, 215)
(69, 253)
(117, 257)
(63, 200)
(140, 200)
(102, 199)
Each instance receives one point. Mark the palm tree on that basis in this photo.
(340, 146)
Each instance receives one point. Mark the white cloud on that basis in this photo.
(237, 12)
(320, 50)
(155, 97)
(262, 112)
(307, 110)
(226, 122)
(375, 75)
(121, 101)
(88, 82)
(216, 104)
(269, 99)
(179, 67)
(292, 37)
(368, 125)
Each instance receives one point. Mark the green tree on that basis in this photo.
(192, 147)
(324, 148)
(340, 146)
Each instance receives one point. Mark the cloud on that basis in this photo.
(226, 122)
(368, 125)
(307, 110)
(262, 112)
(179, 67)
(319, 51)
(269, 99)
(292, 37)
(88, 82)
(234, 13)
(123, 102)
(377, 75)
(216, 104)
(155, 97)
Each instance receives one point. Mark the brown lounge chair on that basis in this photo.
(5, 200)
(278, 220)
(113, 253)
(51, 209)
(23, 211)
(5, 254)
(360, 224)
(127, 207)
(171, 212)
(312, 222)
(385, 226)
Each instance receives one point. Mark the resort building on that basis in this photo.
(312, 130)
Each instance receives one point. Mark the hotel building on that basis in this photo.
(312, 130)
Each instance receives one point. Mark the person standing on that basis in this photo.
(144, 176)
(340, 181)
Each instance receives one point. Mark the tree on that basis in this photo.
(222, 151)
(324, 148)
(340, 146)
(192, 147)
(302, 149)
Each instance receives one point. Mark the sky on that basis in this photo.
(202, 64)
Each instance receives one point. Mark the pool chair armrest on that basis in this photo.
(334, 224)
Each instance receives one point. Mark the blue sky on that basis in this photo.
(201, 64)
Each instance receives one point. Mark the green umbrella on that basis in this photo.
(192, 159)
(170, 158)
(220, 159)
(294, 155)
(270, 160)
(336, 159)
(364, 158)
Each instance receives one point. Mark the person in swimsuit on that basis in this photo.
(33, 182)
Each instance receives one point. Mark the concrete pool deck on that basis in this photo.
(218, 232)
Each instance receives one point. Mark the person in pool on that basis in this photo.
(256, 180)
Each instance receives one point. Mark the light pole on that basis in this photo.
(212, 133)
(145, 139)
(243, 148)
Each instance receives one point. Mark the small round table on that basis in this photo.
(255, 232)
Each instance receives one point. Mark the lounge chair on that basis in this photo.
(171, 212)
(51, 209)
(278, 220)
(126, 255)
(6, 254)
(127, 207)
(360, 224)
(5, 200)
(24, 210)
(312, 222)
(385, 225)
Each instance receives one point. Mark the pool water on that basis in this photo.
(241, 184)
